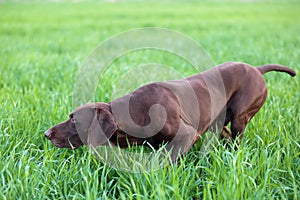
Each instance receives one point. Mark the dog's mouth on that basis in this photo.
(64, 144)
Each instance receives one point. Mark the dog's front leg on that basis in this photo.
(184, 139)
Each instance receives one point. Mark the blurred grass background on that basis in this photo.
(42, 46)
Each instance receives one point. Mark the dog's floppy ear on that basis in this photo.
(102, 128)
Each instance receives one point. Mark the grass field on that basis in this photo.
(42, 47)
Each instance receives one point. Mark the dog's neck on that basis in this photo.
(123, 139)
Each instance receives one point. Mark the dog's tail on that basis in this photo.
(273, 67)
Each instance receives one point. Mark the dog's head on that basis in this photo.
(91, 124)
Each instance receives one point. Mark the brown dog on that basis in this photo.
(176, 112)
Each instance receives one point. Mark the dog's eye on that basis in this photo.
(72, 118)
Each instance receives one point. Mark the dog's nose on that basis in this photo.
(48, 133)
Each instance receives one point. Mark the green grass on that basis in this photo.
(42, 47)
